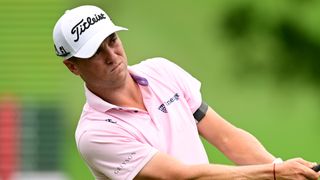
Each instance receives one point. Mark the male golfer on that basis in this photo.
(144, 121)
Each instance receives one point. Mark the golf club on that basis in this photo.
(316, 168)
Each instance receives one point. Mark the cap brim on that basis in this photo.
(88, 49)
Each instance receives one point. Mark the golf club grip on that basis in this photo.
(316, 168)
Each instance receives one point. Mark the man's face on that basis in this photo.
(107, 67)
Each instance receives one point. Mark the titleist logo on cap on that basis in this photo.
(83, 25)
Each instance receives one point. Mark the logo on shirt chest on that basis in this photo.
(111, 121)
(167, 103)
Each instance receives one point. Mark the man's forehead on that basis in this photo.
(109, 37)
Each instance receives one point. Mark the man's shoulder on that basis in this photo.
(155, 60)
(155, 66)
(151, 62)
(92, 120)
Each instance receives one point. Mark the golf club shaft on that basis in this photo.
(316, 168)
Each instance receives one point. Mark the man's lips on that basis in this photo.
(116, 67)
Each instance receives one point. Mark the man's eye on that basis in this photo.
(114, 39)
(97, 52)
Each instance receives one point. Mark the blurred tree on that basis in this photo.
(277, 44)
(300, 52)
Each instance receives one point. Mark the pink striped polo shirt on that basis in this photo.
(116, 142)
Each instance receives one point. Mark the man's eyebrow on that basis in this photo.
(112, 35)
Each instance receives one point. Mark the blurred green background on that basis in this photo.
(258, 62)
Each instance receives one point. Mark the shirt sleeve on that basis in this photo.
(116, 155)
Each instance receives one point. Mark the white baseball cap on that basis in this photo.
(80, 31)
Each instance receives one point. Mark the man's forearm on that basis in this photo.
(244, 149)
(163, 166)
(238, 145)
(222, 172)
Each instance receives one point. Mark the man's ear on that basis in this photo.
(72, 66)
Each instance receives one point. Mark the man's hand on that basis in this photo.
(296, 169)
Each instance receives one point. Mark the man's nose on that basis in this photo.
(109, 54)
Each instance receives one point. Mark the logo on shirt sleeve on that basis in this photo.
(124, 163)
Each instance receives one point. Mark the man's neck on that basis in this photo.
(127, 95)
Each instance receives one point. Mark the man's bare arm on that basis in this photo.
(163, 166)
(238, 145)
